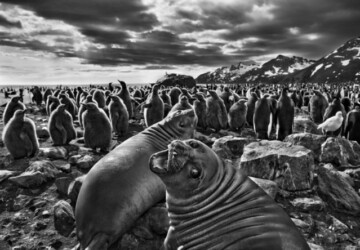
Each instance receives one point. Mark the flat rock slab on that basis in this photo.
(290, 166)
(308, 204)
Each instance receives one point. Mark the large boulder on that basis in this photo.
(340, 152)
(174, 79)
(337, 191)
(309, 141)
(290, 166)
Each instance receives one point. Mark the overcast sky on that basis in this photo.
(93, 41)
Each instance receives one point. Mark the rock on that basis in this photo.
(36, 174)
(62, 165)
(142, 232)
(203, 138)
(54, 152)
(74, 189)
(39, 225)
(301, 224)
(158, 220)
(174, 79)
(308, 204)
(337, 225)
(64, 220)
(270, 187)
(290, 166)
(62, 184)
(354, 173)
(42, 133)
(305, 125)
(129, 242)
(5, 174)
(4, 245)
(20, 202)
(315, 247)
(231, 148)
(340, 152)
(336, 190)
(48, 169)
(309, 141)
(87, 161)
(29, 179)
(73, 159)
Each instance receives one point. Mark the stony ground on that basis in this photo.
(40, 216)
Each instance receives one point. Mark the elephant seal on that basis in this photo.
(215, 206)
(121, 187)
(20, 137)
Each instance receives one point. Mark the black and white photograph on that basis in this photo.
(179, 125)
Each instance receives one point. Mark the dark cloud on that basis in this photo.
(114, 16)
(9, 24)
(322, 25)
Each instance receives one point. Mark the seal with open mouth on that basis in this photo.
(213, 206)
(120, 187)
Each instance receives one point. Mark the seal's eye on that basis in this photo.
(182, 124)
(193, 144)
(195, 173)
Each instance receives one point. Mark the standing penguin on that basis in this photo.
(237, 115)
(37, 96)
(317, 106)
(20, 137)
(118, 115)
(352, 124)
(285, 111)
(47, 93)
(61, 127)
(262, 118)
(154, 107)
(82, 109)
(11, 107)
(253, 97)
(174, 94)
(99, 97)
(227, 97)
(125, 96)
(183, 104)
(69, 104)
(97, 127)
(216, 116)
(200, 110)
(52, 103)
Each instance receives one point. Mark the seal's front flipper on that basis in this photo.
(170, 242)
(99, 242)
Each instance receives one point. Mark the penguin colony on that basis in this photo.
(104, 112)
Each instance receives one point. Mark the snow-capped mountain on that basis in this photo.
(343, 64)
(275, 69)
(271, 71)
(226, 74)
